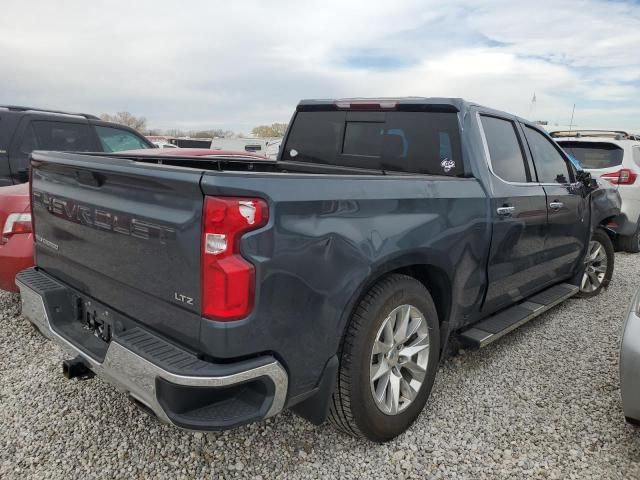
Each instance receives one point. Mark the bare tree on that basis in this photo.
(127, 119)
(273, 130)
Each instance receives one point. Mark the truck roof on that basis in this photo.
(455, 104)
(441, 104)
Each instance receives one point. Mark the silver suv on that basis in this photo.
(613, 156)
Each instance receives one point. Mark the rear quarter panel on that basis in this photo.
(328, 238)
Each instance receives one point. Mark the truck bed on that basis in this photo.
(126, 232)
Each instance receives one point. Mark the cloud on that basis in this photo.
(237, 64)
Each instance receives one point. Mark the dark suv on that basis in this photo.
(24, 129)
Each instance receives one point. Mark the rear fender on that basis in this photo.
(426, 266)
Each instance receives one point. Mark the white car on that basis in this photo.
(613, 156)
(162, 144)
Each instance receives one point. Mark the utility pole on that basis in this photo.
(572, 113)
(532, 106)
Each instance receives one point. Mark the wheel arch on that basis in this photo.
(435, 276)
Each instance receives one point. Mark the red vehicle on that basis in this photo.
(16, 240)
(194, 152)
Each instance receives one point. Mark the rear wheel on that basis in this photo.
(630, 243)
(388, 361)
(598, 265)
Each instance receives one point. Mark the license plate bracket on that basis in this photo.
(95, 318)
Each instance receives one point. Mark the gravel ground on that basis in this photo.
(543, 402)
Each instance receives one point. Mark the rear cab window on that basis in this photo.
(394, 141)
(594, 155)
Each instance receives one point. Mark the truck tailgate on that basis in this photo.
(124, 233)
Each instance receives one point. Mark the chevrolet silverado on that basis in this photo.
(217, 292)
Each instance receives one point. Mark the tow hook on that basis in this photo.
(77, 368)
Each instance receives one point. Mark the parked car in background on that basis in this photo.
(273, 148)
(186, 153)
(24, 129)
(160, 144)
(220, 291)
(613, 156)
(16, 242)
(255, 145)
(630, 362)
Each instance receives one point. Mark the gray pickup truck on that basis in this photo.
(217, 292)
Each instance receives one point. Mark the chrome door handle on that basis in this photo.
(505, 211)
(556, 205)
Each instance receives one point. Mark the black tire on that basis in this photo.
(353, 409)
(601, 237)
(630, 243)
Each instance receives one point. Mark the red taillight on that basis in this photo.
(621, 177)
(16, 223)
(228, 280)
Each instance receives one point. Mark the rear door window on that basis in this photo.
(551, 166)
(57, 136)
(117, 140)
(29, 140)
(8, 125)
(414, 142)
(594, 155)
(505, 152)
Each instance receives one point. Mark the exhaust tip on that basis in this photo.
(77, 368)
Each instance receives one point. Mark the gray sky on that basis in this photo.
(237, 64)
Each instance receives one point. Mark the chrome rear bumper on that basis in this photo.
(139, 377)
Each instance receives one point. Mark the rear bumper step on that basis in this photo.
(498, 325)
(177, 386)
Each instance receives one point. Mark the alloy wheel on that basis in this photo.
(399, 359)
(595, 267)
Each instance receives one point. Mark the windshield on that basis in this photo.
(115, 139)
(594, 155)
(415, 142)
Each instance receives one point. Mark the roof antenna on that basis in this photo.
(571, 121)
(532, 106)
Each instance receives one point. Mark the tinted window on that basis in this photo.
(594, 154)
(117, 140)
(8, 124)
(417, 142)
(504, 149)
(29, 141)
(363, 138)
(315, 137)
(60, 136)
(550, 164)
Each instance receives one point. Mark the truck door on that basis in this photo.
(567, 207)
(519, 217)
